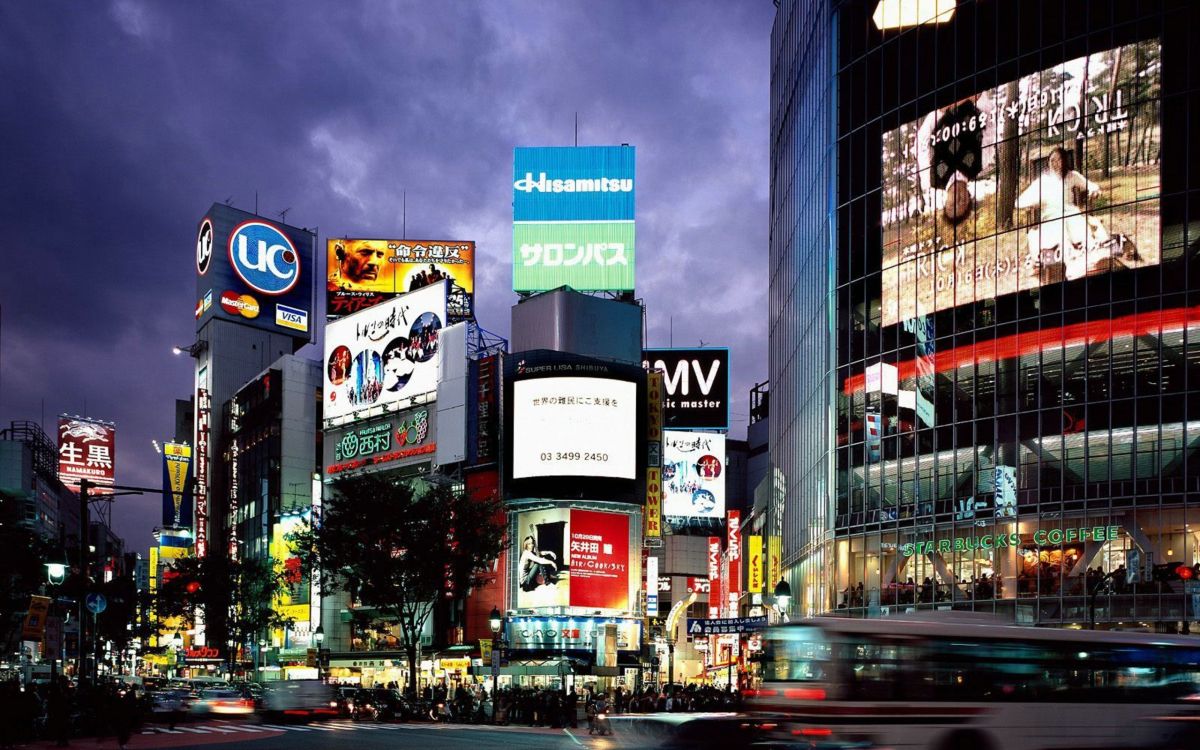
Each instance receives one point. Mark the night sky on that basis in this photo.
(121, 122)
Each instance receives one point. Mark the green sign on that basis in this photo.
(1041, 538)
(378, 438)
(584, 255)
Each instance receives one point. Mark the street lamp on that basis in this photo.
(319, 637)
(783, 597)
(495, 622)
(262, 657)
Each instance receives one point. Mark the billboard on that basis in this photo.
(385, 354)
(573, 558)
(293, 601)
(1050, 177)
(390, 442)
(697, 387)
(693, 476)
(574, 427)
(253, 271)
(86, 450)
(177, 490)
(573, 218)
(363, 273)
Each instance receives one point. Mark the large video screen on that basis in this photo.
(1048, 178)
(574, 427)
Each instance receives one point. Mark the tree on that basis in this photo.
(397, 545)
(23, 554)
(246, 590)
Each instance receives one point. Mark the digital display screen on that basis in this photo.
(1051, 177)
(574, 426)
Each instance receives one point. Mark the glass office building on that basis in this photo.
(996, 237)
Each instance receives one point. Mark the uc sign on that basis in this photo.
(264, 258)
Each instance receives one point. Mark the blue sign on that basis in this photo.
(95, 603)
(580, 183)
(264, 258)
(725, 625)
(255, 272)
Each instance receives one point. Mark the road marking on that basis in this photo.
(573, 738)
(248, 728)
(321, 728)
(286, 727)
(222, 730)
(195, 731)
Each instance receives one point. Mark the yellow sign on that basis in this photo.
(774, 560)
(754, 561)
(34, 627)
(172, 553)
(653, 511)
(455, 665)
(485, 650)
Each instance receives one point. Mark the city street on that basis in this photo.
(364, 736)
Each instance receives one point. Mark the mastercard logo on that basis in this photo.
(239, 304)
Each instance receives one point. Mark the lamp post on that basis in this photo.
(176, 644)
(319, 637)
(496, 622)
(262, 657)
(783, 597)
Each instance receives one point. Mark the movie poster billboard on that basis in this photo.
(693, 475)
(255, 272)
(571, 557)
(1047, 178)
(384, 354)
(177, 491)
(293, 599)
(86, 450)
(697, 386)
(363, 273)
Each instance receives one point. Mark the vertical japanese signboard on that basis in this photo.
(774, 560)
(203, 454)
(714, 576)
(651, 586)
(177, 495)
(86, 450)
(654, 417)
(733, 531)
(754, 564)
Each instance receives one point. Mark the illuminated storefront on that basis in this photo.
(1006, 424)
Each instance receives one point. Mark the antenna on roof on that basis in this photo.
(283, 214)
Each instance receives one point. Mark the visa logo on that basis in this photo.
(291, 317)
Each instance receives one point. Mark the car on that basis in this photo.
(298, 700)
(345, 700)
(221, 701)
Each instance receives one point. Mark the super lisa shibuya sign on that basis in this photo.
(573, 218)
(697, 387)
(255, 272)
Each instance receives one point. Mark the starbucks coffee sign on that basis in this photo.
(1041, 538)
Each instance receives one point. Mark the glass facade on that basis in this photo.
(1016, 211)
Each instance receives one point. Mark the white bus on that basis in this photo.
(959, 681)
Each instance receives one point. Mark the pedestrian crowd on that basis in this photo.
(58, 711)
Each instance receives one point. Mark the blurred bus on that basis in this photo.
(960, 680)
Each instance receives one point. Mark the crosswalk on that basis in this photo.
(323, 726)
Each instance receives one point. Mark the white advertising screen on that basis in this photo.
(693, 474)
(384, 354)
(1050, 177)
(566, 427)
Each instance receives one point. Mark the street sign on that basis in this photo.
(723, 625)
(495, 662)
(96, 603)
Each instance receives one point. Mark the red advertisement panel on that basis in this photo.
(733, 526)
(86, 450)
(599, 551)
(714, 576)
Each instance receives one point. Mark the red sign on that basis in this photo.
(698, 585)
(733, 530)
(599, 549)
(202, 652)
(714, 576)
(86, 450)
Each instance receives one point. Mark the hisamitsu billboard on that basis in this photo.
(573, 218)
